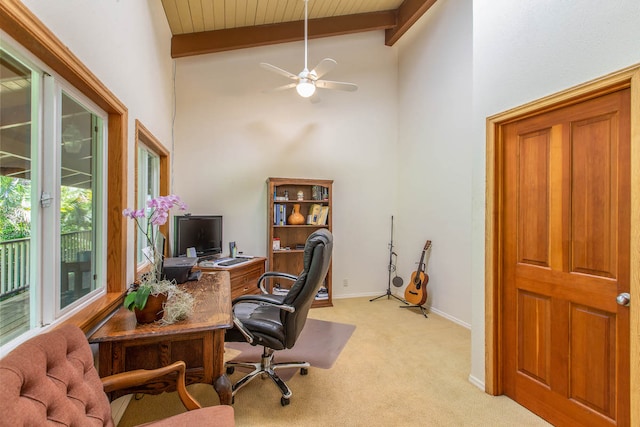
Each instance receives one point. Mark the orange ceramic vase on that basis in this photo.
(296, 217)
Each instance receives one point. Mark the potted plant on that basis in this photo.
(152, 297)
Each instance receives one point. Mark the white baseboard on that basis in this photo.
(449, 317)
(431, 309)
(364, 294)
(476, 382)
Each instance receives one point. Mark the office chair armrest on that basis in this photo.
(270, 274)
(268, 299)
(141, 376)
(265, 299)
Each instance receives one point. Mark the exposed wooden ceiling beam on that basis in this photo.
(408, 13)
(238, 38)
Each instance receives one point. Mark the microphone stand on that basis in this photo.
(391, 268)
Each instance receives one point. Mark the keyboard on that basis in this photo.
(233, 261)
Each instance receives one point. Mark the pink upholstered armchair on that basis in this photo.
(51, 380)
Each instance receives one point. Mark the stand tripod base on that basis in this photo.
(422, 309)
(389, 294)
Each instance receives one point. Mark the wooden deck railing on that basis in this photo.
(15, 259)
(14, 266)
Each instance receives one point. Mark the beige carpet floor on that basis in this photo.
(398, 369)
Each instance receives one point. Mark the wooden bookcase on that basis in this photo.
(289, 257)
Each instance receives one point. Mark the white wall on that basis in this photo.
(230, 137)
(434, 193)
(406, 143)
(126, 44)
(526, 50)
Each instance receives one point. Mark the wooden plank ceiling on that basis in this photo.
(209, 26)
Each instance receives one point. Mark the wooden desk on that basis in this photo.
(123, 345)
(244, 276)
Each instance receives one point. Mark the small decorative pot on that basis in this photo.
(296, 218)
(153, 310)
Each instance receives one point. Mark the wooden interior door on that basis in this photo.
(565, 227)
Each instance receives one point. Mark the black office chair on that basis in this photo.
(275, 321)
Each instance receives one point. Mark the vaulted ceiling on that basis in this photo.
(209, 26)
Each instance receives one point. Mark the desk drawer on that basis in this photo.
(245, 281)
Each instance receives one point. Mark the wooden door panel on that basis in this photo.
(593, 195)
(578, 288)
(565, 227)
(534, 323)
(590, 329)
(533, 198)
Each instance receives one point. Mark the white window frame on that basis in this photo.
(47, 86)
(100, 203)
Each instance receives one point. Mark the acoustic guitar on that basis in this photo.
(416, 291)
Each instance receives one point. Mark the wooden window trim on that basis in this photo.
(144, 136)
(22, 25)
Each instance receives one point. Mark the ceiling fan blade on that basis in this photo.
(281, 88)
(326, 65)
(328, 84)
(280, 71)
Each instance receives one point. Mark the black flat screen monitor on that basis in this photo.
(203, 232)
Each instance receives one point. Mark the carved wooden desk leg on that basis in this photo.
(221, 382)
(222, 385)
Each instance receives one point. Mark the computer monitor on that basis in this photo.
(202, 232)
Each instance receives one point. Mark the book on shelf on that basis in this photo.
(318, 192)
(277, 290)
(314, 214)
(323, 294)
(324, 215)
(279, 214)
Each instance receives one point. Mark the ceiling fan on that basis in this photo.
(307, 81)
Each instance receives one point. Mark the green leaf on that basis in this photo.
(141, 296)
(137, 299)
(129, 300)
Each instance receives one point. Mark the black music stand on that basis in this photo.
(392, 267)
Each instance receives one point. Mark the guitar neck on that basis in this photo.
(422, 265)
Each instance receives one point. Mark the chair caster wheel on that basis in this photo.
(304, 371)
(230, 370)
(284, 401)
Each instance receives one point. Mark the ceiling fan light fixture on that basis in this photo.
(305, 88)
(307, 81)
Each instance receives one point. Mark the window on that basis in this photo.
(16, 132)
(152, 172)
(52, 230)
(148, 188)
(81, 196)
(19, 23)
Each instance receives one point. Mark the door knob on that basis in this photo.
(624, 299)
